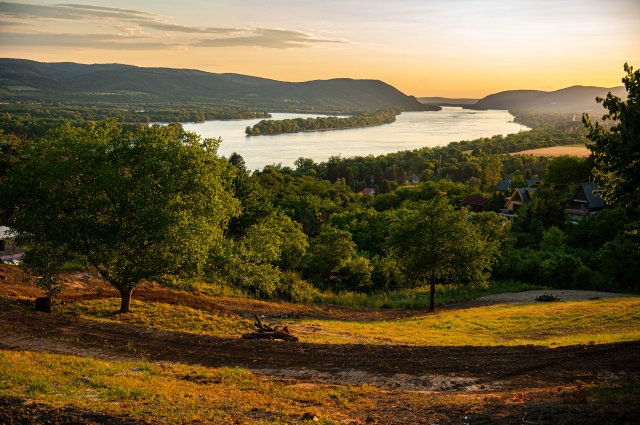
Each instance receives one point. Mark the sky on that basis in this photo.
(452, 48)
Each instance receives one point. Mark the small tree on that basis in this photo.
(435, 243)
(137, 206)
(616, 149)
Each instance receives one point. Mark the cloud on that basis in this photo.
(128, 22)
(266, 37)
(89, 41)
(81, 12)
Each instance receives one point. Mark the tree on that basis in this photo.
(566, 170)
(435, 243)
(142, 205)
(328, 253)
(616, 148)
(237, 161)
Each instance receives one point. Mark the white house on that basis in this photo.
(7, 246)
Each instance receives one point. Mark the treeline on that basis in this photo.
(557, 121)
(297, 125)
(480, 163)
(35, 120)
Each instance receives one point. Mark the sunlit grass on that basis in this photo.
(544, 324)
(548, 324)
(418, 298)
(168, 392)
(159, 315)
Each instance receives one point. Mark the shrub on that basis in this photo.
(293, 288)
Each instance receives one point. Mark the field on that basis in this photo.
(178, 358)
(571, 150)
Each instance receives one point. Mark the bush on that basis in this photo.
(354, 275)
(293, 288)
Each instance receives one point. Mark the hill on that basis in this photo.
(575, 99)
(116, 83)
(446, 101)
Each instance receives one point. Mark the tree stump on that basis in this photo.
(43, 304)
(268, 332)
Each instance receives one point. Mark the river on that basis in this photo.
(411, 130)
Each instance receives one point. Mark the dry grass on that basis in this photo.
(160, 316)
(571, 150)
(548, 324)
(168, 392)
(552, 324)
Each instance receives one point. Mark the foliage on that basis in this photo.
(566, 169)
(35, 119)
(143, 205)
(434, 243)
(616, 148)
(365, 119)
(620, 259)
(328, 253)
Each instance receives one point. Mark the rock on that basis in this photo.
(309, 416)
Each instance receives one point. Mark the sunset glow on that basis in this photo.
(455, 48)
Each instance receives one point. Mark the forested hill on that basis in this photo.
(576, 99)
(116, 83)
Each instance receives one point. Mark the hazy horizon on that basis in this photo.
(460, 48)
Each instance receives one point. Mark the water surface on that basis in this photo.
(411, 130)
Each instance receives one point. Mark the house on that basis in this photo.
(520, 197)
(584, 203)
(504, 184)
(368, 191)
(414, 179)
(9, 251)
(475, 203)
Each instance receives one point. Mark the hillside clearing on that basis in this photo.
(571, 150)
(178, 358)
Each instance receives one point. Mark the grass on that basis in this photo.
(554, 324)
(419, 298)
(543, 324)
(159, 315)
(169, 392)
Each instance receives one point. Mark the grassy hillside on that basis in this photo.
(113, 83)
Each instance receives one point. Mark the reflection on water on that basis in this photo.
(411, 130)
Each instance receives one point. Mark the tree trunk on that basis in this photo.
(432, 296)
(125, 303)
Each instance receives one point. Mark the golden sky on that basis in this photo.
(454, 48)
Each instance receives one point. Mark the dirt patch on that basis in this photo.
(400, 381)
(18, 411)
(530, 296)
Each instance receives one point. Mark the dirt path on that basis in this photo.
(409, 367)
(561, 294)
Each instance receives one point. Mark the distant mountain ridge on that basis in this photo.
(575, 99)
(21, 78)
(446, 101)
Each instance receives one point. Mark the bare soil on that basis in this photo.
(560, 294)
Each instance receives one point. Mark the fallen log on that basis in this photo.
(269, 332)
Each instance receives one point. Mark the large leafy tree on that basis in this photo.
(144, 205)
(435, 243)
(616, 148)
